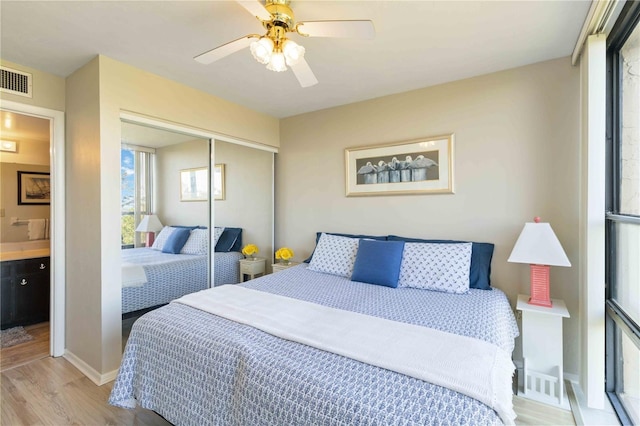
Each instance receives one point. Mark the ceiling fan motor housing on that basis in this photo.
(281, 15)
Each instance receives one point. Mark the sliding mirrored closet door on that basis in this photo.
(247, 205)
(165, 216)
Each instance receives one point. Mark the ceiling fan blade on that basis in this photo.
(344, 29)
(256, 9)
(224, 50)
(303, 73)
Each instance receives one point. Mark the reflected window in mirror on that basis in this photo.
(137, 182)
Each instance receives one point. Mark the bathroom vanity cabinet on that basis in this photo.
(25, 292)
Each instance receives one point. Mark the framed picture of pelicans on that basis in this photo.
(423, 166)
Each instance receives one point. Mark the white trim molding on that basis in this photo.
(592, 220)
(600, 19)
(131, 117)
(58, 217)
(90, 372)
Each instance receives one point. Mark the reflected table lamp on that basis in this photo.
(538, 246)
(150, 224)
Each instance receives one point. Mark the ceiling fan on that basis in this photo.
(274, 49)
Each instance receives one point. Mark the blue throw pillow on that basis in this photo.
(370, 237)
(378, 262)
(481, 254)
(176, 240)
(230, 240)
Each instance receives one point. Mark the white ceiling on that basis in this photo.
(20, 127)
(417, 44)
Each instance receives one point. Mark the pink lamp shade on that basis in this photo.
(150, 224)
(538, 246)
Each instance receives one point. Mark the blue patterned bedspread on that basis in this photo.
(170, 276)
(195, 368)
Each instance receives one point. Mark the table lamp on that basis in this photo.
(150, 224)
(538, 246)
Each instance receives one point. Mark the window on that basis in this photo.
(136, 174)
(623, 216)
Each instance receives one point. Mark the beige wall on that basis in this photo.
(169, 161)
(248, 202)
(94, 148)
(516, 156)
(84, 307)
(48, 89)
(9, 200)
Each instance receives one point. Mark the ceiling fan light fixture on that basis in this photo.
(262, 50)
(293, 52)
(277, 62)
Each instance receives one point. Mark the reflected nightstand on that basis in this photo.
(277, 267)
(252, 267)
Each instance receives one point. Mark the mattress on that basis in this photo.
(197, 368)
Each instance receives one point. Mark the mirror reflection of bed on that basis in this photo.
(161, 174)
(152, 275)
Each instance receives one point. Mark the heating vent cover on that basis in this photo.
(16, 82)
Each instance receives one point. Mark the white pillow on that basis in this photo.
(335, 255)
(197, 243)
(441, 267)
(217, 232)
(162, 237)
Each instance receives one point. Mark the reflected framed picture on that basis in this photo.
(423, 166)
(218, 182)
(194, 184)
(34, 188)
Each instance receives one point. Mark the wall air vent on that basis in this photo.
(16, 82)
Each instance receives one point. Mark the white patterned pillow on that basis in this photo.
(197, 243)
(441, 267)
(162, 237)
(335, 255)
(217, 232)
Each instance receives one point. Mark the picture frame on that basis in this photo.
(422, 166)
(218, 182)
(194, 184)
(34, 188)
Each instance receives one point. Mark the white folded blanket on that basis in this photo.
(470, 366)
(133, 275)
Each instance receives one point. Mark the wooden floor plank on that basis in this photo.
(27, 352)
(534, 413)
(51, 391)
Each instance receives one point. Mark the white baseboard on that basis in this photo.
(90, 372)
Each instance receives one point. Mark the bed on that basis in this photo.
(195, 367)
(152, 277)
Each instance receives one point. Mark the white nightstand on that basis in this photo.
(252, 267)
(277, 267)
(542, 350)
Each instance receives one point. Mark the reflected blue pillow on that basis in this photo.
(230, 240)
(378, 262)
(176, 240)
(481, 254)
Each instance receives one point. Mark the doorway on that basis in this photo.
(25, 219)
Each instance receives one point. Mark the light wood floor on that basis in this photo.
(32, 350)
(50, 391)
(534, 413)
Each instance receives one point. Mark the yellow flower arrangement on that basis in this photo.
(284, 253)
(250, 250)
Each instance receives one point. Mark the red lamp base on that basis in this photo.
(152, 235)
(540, 286)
